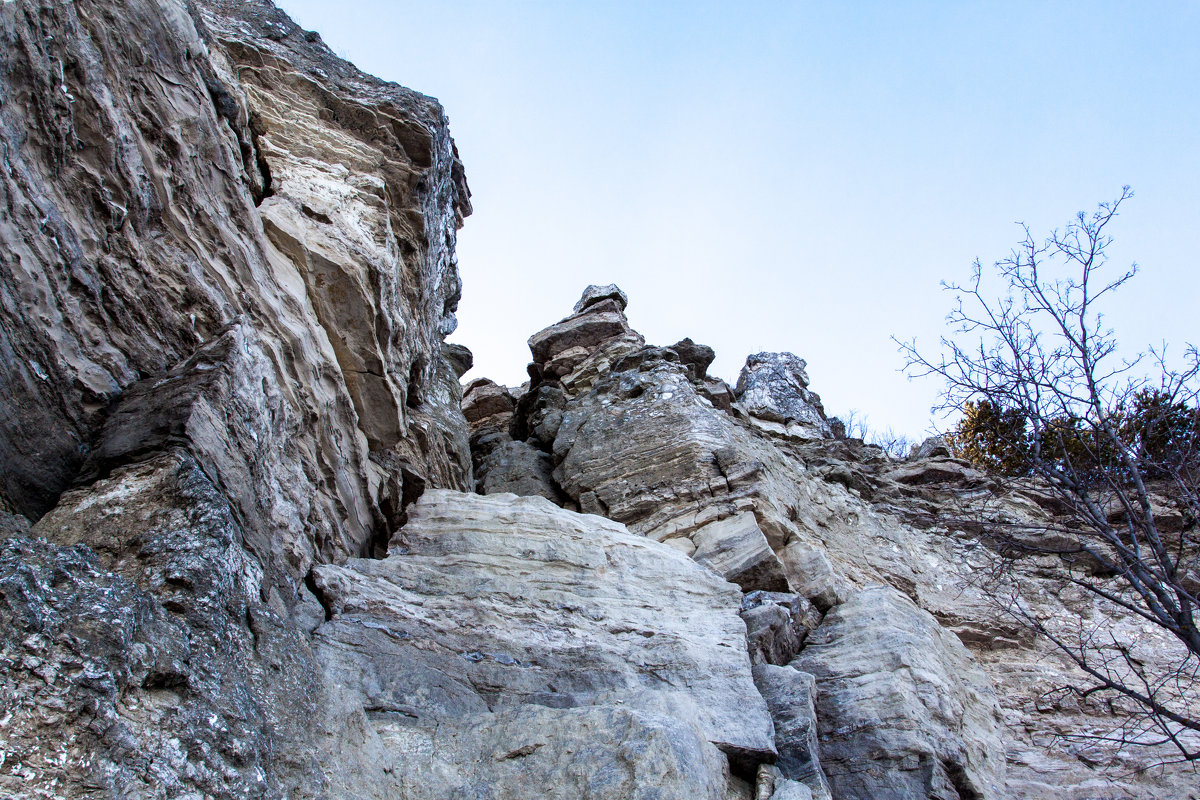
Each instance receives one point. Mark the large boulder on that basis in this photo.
(774, 387)
(903, 710)
(497, 602)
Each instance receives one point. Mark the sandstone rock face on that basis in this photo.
(150, 206)
(245, 564)
(752, 487)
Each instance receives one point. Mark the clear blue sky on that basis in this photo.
(795, 175)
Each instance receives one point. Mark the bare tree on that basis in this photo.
(857, 425)
(1113, 439)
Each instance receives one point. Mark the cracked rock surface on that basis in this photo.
(257, 540)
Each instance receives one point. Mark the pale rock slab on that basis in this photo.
(601, 752)
(736, 549)
(903, 710)
(499, 602)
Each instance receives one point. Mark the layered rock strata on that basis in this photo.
(863, 602)
(240, 555)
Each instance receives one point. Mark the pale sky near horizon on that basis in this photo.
(796, 176)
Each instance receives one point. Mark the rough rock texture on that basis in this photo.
(138, 657)
(492, 602)
(774, 387)
(244, 563)
(225, 169)
(902, 709)
(789, 694)
(641, 434)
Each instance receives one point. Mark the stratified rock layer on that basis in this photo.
(492, 602)
(922, 688)
(245, 565)
(903, 710)
(228, 170)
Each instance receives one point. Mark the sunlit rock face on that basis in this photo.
(889, 674)
(257, 541)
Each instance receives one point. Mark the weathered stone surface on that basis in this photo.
(774, 387)
(696, 356)
(789, 694)
(137, 192)
(812, 576)
(460, 358)
(776, 625)
(497, 602)
(581, 333)
(518, 468)
(791, 790)
(932, 447)
(594, 294)
(486, 402)
(902, 710)
(640, 439)
(595, 752)
(736, 549)
(226, 275)
(138, 657)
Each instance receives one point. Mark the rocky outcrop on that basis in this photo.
(142, 653)
(902, 709)
(850, 575)
(488, 603)
(238, 552)
(774, 387)
(243, 175)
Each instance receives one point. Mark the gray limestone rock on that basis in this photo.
(736, 549)
(594, 294)
(153, 202)
(774, 387)
(812, 576)
(777, 625)
(789, 694)
(573, 339)
(903, 711)
(592, 753)
(143, 655)
(791, 790)
(518, 468)
(932, 447)
(499, 602)
(486, 403)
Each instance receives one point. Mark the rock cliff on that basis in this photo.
(256, 540)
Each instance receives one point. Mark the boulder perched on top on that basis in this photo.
(594, 294)
(774, 387)
(697, 356)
